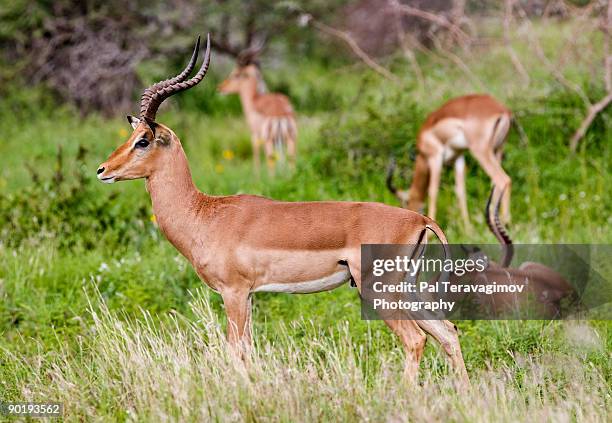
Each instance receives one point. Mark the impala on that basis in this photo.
(243, 244)
(543, 284)
(477, 123)
(270, 116)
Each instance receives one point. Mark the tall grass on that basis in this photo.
(66, 239)
(181, 370)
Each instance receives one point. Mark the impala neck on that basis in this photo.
(176, 200)
(419, 185)
(248, 94)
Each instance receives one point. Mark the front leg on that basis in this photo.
(255, 143)
(238, 310)
(435, 171)
(460, 190)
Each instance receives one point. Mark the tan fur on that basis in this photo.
(544, 284)
(240, 243)
(476, 123)
(270, 117)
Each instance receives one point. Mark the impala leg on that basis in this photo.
(435, 171)
(270, 156)
(413, 339)
(291, 151)
(238, 310)
(505, 204)
(502, 182)
(445, 333)
(255, 143)
(460, 190)
(291, 141)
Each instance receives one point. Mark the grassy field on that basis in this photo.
(99, 312)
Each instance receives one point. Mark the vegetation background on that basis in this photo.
(99, 312)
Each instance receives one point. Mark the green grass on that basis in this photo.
(98, 311)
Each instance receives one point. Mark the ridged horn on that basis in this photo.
(157, 97)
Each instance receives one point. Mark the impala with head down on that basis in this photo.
(243, 244)
(545, 285)
(476, 123)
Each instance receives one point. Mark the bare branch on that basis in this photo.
(308, 19)
(594, 110)
(598, 107)
(459, 63)
(554, 70)
(223, 46)
(607, 30)
(461, 37)
(407, 49)
(509, 6)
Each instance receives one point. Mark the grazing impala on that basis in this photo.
(477, 123)
(270, 116)
(243, 244)
(543, 284)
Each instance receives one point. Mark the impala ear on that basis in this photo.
(134, 121)
(162, 134)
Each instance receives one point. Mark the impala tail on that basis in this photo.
(402, 195)
(437, 231)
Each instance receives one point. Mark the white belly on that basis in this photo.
(307, 287)
(454, 146)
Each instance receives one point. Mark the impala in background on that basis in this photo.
(476, 123)
(270, 116)
(544, 284)
(243, 244)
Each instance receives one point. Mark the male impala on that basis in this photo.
(477, 123)
(270, 116)
(544, 284)
(243, 244)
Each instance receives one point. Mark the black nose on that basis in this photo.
(100, 170)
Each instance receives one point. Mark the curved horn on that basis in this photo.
(499, 230)
(163, 93)
(508, 247)
(390, 172)
(148, 93)
(248, 55)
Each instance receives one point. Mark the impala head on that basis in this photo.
(152, 144)
(241, 78)
(402, 195)
(246, 75)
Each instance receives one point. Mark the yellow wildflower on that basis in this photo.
(228, 154)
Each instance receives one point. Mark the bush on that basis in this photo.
(65, 208)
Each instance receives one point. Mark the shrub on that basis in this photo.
(65, 207)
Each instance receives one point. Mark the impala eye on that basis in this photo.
(142, 143)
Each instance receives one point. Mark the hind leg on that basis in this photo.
(291, 141)
(487, 160)
(446, 334)
(291, 152)
(411, 336)
(413, 340)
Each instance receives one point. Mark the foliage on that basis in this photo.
(96, 307)
(179, 369)
(63, 207)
